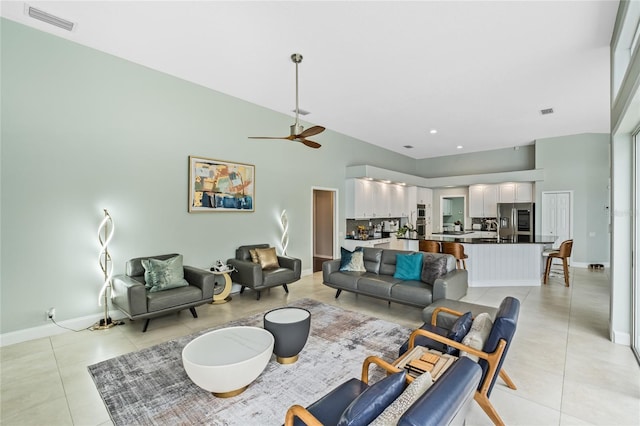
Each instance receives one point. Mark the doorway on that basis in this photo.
(324, 226)
(453, 211)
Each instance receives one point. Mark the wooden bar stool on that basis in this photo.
(429, 246)
(457, 250)
(564, 252)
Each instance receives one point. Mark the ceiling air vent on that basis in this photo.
(408, 146)
(546, 111)
(49, 18)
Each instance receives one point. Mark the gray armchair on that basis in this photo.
(250, 274)
(131, 297)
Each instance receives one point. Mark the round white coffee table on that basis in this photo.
(226, 361)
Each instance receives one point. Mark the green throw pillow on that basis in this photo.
(408, 266)
(163, 274)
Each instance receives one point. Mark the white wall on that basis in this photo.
(625, 120)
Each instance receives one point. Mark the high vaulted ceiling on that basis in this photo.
(387, 73)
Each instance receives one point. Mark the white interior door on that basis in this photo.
(563, 216)
(556, 216)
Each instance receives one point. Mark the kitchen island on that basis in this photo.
(502, 262)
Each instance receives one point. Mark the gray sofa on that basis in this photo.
(378, 280)
(131, 297)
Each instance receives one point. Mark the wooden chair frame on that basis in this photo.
(309, 419)
(457, 251)
(492, 359)
(563, 253)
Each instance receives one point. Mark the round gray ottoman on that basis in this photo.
(290, 328)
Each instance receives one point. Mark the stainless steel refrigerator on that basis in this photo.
(516, 221)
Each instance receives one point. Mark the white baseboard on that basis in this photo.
(621, 338)
(50, 329)
(586, 265)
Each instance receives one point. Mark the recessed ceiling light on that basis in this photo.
(385, 181)
(459, 147)
(433, 131)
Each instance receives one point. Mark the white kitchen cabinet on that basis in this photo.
(483, 200)
(476, 201)
(416, 195)
(507, 193)
(397, 201)
(490, 201)
(424, 196)
(524, 192)
(359, 199)
(518, 192)
(446, 207)
(411, 200)
(381, 200)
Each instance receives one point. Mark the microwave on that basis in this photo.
(422, 211)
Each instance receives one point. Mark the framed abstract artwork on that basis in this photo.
(220, 186)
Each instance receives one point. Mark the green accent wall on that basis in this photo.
(83, 130)
(579, 163)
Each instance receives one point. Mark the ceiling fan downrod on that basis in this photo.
(296, 128)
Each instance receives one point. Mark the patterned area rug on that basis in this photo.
(150, 387)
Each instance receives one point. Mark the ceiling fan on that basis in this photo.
(298, 134)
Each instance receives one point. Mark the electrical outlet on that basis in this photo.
(51, 314)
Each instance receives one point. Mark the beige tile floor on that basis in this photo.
(566, 370)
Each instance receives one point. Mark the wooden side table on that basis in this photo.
(221, 293)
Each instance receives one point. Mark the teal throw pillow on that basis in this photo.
(373, 401)
(408, 266)
(348, 263)
(162, 275)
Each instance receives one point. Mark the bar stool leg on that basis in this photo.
(565, 265)
(547, 269)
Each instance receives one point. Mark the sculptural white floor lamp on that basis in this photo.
(284, 240)
(105, 234)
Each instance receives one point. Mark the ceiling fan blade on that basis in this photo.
(311, 131)
(310, 144)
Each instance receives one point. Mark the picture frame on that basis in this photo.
(220, 186)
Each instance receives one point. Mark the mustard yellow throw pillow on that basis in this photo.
(268, 258)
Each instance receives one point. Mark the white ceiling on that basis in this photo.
(478, 72)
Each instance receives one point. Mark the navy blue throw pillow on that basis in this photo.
(345, 257)
(460, 329)
(373, 401)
